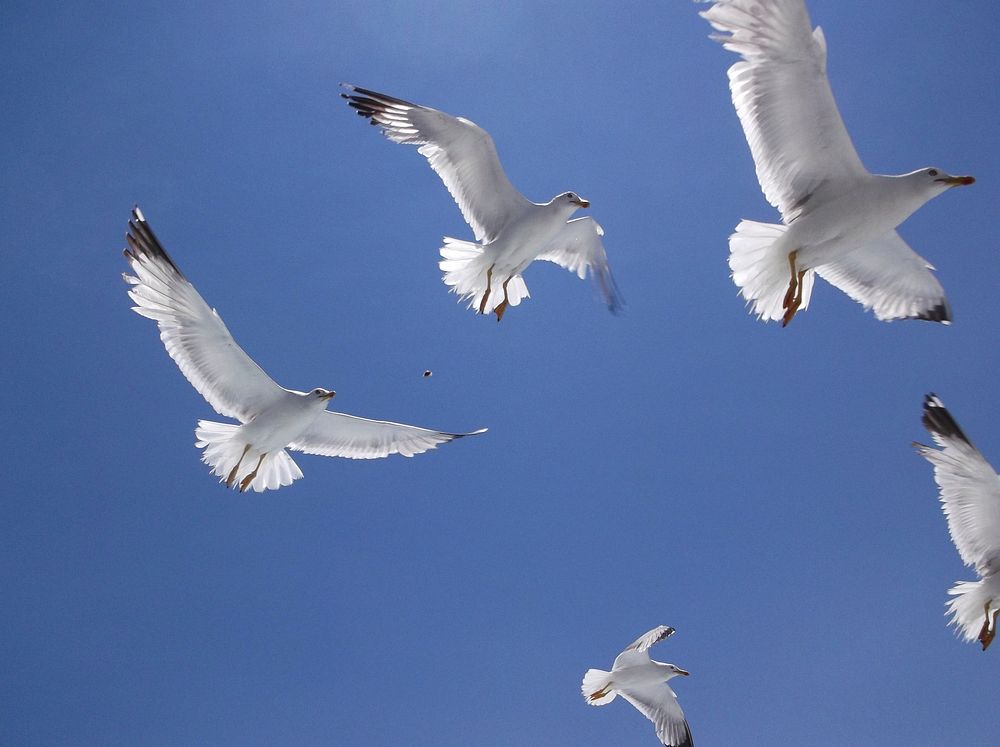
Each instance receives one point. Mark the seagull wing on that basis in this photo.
(970, 489)
(461, 152)
(648, 640)
(887, 276)
(659, 704)
(635, 654)
(339, 435)
(193, 334)
(578, 247)
(783, 98)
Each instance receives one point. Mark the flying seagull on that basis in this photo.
(970, 497)
(643, 683)
(838, 219)
(272, 418)
(512, 231)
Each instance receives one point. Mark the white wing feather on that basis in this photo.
(970, 489)
(783, 98)
(659, 704)
(461, 152)
(887, 276)
(578, 248)
(192, 332)
(339, 435)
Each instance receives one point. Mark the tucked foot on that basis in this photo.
(600, 693)
(232, 475)
(989, 631)
(245, 483)
(502, 307)
(793, 296)
(790, 293)
(796, 302)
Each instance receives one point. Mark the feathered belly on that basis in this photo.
(275, 429)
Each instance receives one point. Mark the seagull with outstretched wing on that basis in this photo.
(970, 497)
(643, 683)
(250, 455)
(838, 220)
(511, 231)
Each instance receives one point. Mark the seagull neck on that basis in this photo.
(899, 196)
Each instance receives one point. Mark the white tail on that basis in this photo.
(465, 266)
(596, 682)
(760, 271)
(968, 607)
(225, 452)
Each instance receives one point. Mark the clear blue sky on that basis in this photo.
(680, 464)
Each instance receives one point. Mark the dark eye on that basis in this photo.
(932, 172)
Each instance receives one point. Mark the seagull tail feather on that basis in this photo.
(465, 266)
(596, 687)
(760, 269)
(230, 459)
(967, 606)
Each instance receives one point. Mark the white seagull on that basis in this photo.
(512, 231)
(250, 455)
(838, 219)
(643, 683)
(970, 497)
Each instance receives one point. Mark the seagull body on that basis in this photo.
(272, 418)
(511, 231)
(970, 498)
(642, 682)
(839, 220)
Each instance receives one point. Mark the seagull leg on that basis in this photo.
(232, 475)
(245, 483)
(793, 296)
(486, 295)
(796, 302)
(502, 307)
(790, 293)
(989, 630)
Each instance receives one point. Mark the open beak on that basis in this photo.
(957, 181)
(329, 395)
(582, 202)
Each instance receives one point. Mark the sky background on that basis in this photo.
(680, 464)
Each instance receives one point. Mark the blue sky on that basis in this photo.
(680, 464)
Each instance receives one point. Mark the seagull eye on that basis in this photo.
(932, 172)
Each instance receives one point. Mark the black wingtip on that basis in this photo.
(940, 313)
(688, 739)
(667, 632)
(479, 432)
(939, 421)
(142, 242)
(367, 99)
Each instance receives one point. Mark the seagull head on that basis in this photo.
(942, 180)
(572, 199)
(670, 671)
(321, 394)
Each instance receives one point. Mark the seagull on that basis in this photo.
(970, 497)
(643, 683)
(512, 231)
(838, 219)
(250, 455)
